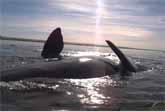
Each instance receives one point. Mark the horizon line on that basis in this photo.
(72, 43)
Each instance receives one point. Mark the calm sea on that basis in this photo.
(143, 91)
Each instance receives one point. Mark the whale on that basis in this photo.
(69, 67)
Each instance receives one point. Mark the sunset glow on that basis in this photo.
(87, 21)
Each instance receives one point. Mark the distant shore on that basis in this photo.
(70, 43)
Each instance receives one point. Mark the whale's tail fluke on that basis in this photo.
(125, 63)
(54, 45)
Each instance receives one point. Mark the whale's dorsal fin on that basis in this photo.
(126, 64)
(54, 45)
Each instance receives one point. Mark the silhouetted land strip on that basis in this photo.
(71, 43)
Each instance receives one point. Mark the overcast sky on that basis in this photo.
(132, 23)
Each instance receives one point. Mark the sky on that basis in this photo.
(129, 23)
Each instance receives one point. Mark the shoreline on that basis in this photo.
(70, 43)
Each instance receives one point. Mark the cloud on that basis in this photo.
(123, 21)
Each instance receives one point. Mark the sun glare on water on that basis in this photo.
(91, 94)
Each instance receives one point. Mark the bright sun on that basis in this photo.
(98, 20)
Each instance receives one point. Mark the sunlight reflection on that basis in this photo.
(92, 90)
(84, 53)
(98, 20)
(88, 53)
(114, 58)
(84, 59)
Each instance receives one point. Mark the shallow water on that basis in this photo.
(144, 91)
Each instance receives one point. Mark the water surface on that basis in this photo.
(144, 91)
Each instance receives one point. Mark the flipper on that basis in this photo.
(54, 45)
(126, 64)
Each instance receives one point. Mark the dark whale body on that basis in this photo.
(69, 67)
(77, 67)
